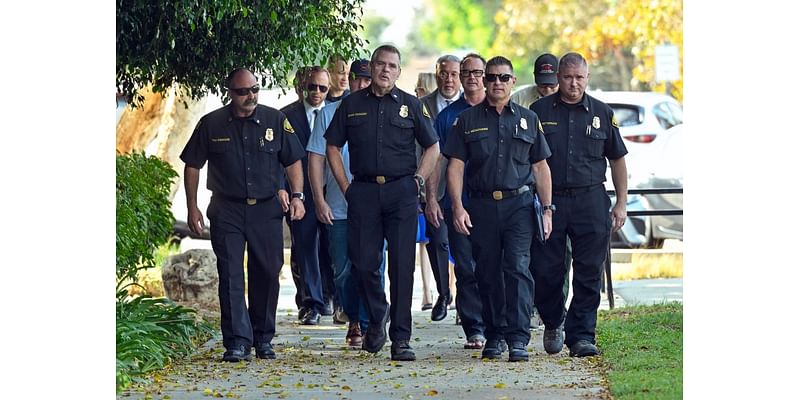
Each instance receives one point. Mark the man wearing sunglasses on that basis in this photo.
(583, 134)
(307, 238)
(504, 149)
(544, 75)
(248, 146)
(468, 301)
(381, 125)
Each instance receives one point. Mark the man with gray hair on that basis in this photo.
(448, 90)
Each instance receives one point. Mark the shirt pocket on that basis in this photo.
(549, 134)
(521, 146)
(477, 145)
(597, 142)
(269, 146)
(404, 128)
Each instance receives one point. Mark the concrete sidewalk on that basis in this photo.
(314, 363)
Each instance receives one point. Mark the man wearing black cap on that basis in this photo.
(544, 74)
(331, 210)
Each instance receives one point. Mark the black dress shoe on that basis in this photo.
(311, 318)
(401, 351)
(327, 308)
(236, 354)
(492, 349)
(264, 350)
(302, 313)
(376, 335)
(517, 352)
(440, 308)
(583, 348)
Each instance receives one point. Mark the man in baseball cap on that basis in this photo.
(544, 74)
(359, 69)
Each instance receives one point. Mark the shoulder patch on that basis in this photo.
(614, 122)
(425, 111)
(287, 126)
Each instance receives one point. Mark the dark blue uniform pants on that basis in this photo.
(501, 243)
(438, 249)
(259, 226)
(375, 212)
(468, 301)
(305, 258)
(585, 218)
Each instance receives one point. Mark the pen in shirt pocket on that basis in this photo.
(588, 130)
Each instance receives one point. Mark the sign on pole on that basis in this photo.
(668, 67)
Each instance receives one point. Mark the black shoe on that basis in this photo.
(236, 354)
(264, 350)
(493, 349)
(327, 309)
(583, 348)
(376, 335)
(440, 308)
(553, 339)
(517, 352)
(302, 312)
(401, 351)
(311, 318)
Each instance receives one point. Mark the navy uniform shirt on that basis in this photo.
(245, 156)
(381, 132)
(581, 137)
(499, 149)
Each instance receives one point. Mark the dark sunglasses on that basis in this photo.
(502, 77)
(475, 72)
(312, 87)
(244, 91)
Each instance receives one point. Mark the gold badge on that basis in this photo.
(404, 111)
(287, 126)
(268, 135)
(425, 111)
(523, 123)
(596, 122)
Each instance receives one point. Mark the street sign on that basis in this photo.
(667, 63)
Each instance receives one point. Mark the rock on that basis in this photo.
(191, 277)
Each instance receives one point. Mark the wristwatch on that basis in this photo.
(551, 207)
(299, 195)
(420, 181)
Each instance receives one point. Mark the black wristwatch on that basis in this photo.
(551, 207)
(299, 195)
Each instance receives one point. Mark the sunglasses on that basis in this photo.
(475, 72)
(502, 77)
(244, 91)
(312, 87)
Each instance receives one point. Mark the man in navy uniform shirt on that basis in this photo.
(503, 148)
(380, 125)
(247, 146)
(582, 134)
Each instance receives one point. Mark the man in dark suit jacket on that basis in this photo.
(448, 90)
(306, 259)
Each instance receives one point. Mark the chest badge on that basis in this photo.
(596, 122)
(269, 135)
(523, 124)
(404, 111)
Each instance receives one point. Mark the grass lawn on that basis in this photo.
(642, 351)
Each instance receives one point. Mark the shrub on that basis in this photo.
(150, 331)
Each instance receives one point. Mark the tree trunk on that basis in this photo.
(160, 127)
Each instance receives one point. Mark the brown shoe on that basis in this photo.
(354, 338)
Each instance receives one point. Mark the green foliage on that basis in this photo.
(197, 43)
(151, 332)
(460, 24)
(144, 218)
(643, 351)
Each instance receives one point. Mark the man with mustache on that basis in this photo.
(247, 146)
(381, 124)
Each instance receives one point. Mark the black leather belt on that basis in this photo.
(248, 201)
(571, 191)
(500, 194)
(379, 179)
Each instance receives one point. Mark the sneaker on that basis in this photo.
(517, 352)
(583, 348)
(339, 316)
(553, 339)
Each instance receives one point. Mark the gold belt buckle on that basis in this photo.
(380, 179)
(251, 202)
(497, 195)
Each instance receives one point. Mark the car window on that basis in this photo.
(627, 115)
(664, 115)
(677, 112)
